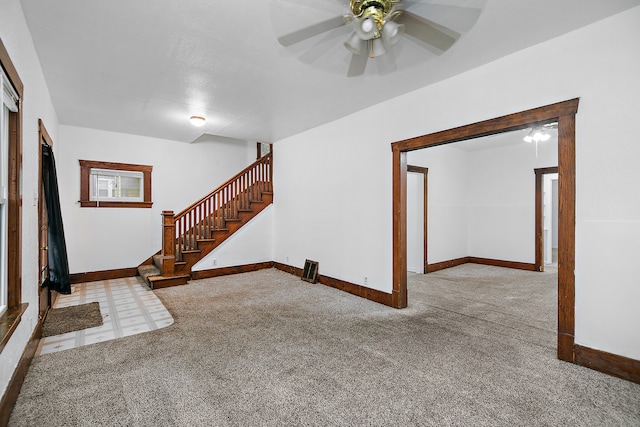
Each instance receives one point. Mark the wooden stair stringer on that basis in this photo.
(206, 246)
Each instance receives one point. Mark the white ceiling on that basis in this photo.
(143, 67)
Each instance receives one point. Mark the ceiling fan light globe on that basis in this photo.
(366, 25)
(354, 44)
(366, 28)
(392, 32)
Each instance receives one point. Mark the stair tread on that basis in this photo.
(192, 251)
(175, 276)
(148, 269)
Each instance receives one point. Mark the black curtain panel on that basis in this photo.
(58, 262)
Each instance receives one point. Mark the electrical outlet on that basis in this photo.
(366, 281)
(215, 262)
(287, 260)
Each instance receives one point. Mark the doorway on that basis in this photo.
(417, 229)
(47, 297)
(562, 112)
(546, 216)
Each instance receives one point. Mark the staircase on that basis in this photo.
(196, 231)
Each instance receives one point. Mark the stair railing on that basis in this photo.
(199, 221)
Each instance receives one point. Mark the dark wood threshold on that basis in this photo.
(430, 268)
(361, 291)
(15, 384)
(226, 271)
(608, 363)
(94, 276)
(9, 322)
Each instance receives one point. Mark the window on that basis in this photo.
(114, 185)
(11, 89)
(9, 105)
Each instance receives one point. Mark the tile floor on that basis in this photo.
(127, 305)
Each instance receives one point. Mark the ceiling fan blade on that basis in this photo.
(386, 64)
(357, 65)
(457, 18)
(428, 31)
(313, 30)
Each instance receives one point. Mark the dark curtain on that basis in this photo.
(58, 262)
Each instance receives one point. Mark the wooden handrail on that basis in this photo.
(261, 160)
(211, 212)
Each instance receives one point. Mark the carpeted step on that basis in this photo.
(157, 261)
(146, 271)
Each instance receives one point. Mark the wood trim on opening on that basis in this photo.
(45, 295)
(562, 112)
(10, 318)
(85, 172)
(399, 207)
(566, 236)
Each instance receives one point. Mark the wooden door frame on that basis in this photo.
(539, 238)
(562, 112)
(425, 172)
(43, 138)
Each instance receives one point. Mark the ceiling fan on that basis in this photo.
(377, 26)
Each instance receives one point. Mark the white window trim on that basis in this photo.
(94, 176)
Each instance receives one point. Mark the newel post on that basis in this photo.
(168, 243)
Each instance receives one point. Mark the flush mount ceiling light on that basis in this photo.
(380, 24)
(197, 120)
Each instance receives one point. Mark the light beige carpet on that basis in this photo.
(267, 349)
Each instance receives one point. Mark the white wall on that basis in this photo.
(447, 223)
(112, 238)
(252, 244)
(502, 198)
(333, 183)
(482, 197)
(35, 104)
(332, 198)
